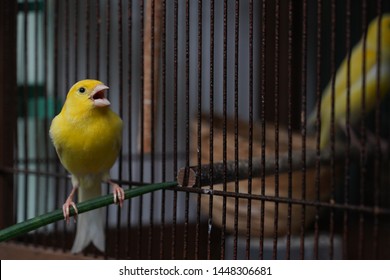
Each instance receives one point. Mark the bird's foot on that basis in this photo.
(118, 192)
(65, 210)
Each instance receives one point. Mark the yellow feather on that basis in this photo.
(89, 144)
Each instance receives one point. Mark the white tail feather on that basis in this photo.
(90, 225)
(90, 228)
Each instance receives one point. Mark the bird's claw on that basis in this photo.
(66, 212)
(119, 194)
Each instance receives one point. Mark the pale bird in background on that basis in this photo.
(356, 81)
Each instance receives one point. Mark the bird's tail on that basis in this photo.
(90, 225)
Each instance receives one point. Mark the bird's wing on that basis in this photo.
(54, 135)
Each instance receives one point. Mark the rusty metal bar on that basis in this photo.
(25, 110)
(56, 99)
(120, 72)
(8, 93)
(347, 179)
(289, 125)
(129, 121)
(236, 146)
(318, 110)
(142, 118)
(75, 38)
(363, 162)
(36, 120)
(276, 125)
(250, 136)
(193, 177)
(175, 124)
(187, 122)
(224, 132)
(152, 112)
(46, 119)
(303, 122)
(378, 152)
(97, 40)
(107, 62)
(67, 77)
(263, 124)
(199, 126)
(332, 131)
(271, 198)
(164, 122)
(87, 36)
(211, 121)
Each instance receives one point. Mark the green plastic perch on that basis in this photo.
(85, 206)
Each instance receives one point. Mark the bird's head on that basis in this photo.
(86, 95)
(372, 33)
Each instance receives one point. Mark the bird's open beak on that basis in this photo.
(98, 96)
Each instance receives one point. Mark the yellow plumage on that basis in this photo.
(87, 137)
(356, 80)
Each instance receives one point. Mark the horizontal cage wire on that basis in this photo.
(270, 117)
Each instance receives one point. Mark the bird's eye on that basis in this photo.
(82, 90)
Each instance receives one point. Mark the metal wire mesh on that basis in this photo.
(222, 89)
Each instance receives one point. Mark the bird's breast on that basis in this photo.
(90, 146)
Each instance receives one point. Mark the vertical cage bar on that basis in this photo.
(250, 134)
(37, 160)
(107, 56)
(152, 82)
(56, 99)
(8, 117)
(224, 130)
(46, 119)
(75, 38)
(87, 36)
(164, 123)
(199, 144)
(175, 115)
(97, 39)
(120, 70)
(187, 122)
(142, 118)
(236, 147)
(303, 123)
(332, 129)
(363, 170)
(318, 114)
(347, 178)
(378, 153)
(276, 126)
(262, 117)
(25, 112)
(67, 44)
(129, 122)
(211, 123)
(289, 126)
(67, 83)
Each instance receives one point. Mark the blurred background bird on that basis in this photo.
(358, 55)
(87, 137)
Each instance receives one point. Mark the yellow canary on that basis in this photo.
(87, 137)
(356, 80)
